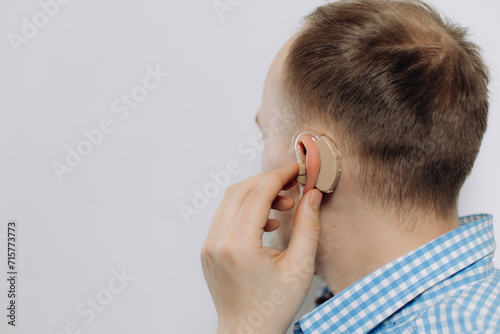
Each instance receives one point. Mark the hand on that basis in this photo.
(258, 289)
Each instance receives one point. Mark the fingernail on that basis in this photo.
(315, 199)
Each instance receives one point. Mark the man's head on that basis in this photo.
(401, 92)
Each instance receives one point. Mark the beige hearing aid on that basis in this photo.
(330, 158)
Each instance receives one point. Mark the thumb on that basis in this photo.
(306, 228)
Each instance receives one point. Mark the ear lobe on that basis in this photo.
(313, 162)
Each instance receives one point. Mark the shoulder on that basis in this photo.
(474, 308)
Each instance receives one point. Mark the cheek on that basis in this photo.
(268, 160)
(276, 155)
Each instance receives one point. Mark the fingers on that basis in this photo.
(254, 213)
(282, 203)
(306, 228)
(237, 194)
(231, 204)
(290, 184)
(271, 225)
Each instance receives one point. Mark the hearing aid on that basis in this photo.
(330, 159)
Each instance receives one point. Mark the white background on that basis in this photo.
(119, 208)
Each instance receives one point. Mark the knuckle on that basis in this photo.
(231, 190)
(312, 226)
(229, 250)
(275, 174)
(206, 251)
(314, 232)
(263, 189)
(259, 192)
(225, 251)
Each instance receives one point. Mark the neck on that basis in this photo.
(357, 239)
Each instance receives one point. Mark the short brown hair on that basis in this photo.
(406, 90)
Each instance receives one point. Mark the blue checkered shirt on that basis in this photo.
(448, 285)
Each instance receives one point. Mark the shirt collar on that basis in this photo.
(368, 302)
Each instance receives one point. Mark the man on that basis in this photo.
(403, 95)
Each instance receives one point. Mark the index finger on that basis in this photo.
(231, 205)
(252, 218)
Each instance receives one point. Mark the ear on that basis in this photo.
(313, 162)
